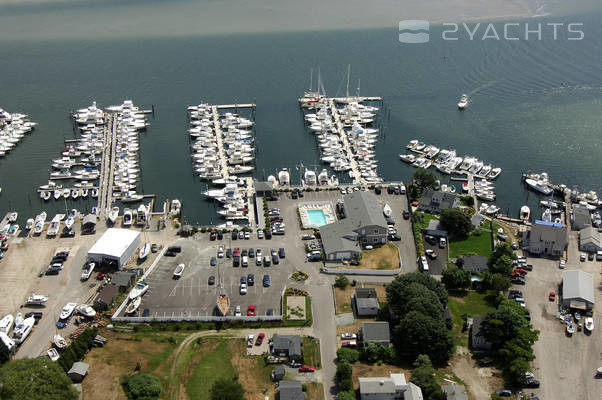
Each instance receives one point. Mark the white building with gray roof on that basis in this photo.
(578, 290)
(393, 387)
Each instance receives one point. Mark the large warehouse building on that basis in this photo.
(578, 290)
(116, 245)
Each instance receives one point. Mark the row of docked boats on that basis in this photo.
(447, 161)
(222, 147)
(137, 217)
(345, 138)
(13, 127)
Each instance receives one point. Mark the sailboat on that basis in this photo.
(143, 253)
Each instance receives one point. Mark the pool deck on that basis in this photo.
(324, 206)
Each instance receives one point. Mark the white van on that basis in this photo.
(245, 261)
(424, 265)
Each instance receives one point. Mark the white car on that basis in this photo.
(220, 252)
(529, 375)
(583, 257)
(243, 290)
(561, 264)
(250, 340)
(402, 188)
(442, 243)
(343, 191)
(258, 253)
(348, 336)
(237, 312)
(247, 236)
(259, 234)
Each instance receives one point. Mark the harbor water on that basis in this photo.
(535, 104)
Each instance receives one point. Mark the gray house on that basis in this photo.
(578, 290)
(78, 371)
(278, 373)
(392, 387)
(288, 346)
(435, 201)
(364, 225)
(475, 338)
(377, 332)
(590, 240)
(263, 188)
(366, 302)
(474, 263)
(454, 392)
(291, 390)
(581, 218)
(547, 239)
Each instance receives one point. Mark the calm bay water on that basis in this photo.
(535, 104)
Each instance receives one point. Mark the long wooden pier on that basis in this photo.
(357, 176)
(220, 143)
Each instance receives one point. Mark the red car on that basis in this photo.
(251, 311)
(259, 340)
(237, 251)
(519, 272)
(101, 275)
(307, 368)
(522, 271)
(552, 296)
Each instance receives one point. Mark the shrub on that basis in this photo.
(348, 355)
(341, 281)
(141, 387)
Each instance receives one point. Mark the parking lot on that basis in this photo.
(192, 294)
(437, 264)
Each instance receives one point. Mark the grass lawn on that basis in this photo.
(384, 257)
(311, 351)
(471, 303)
(480, 245)
(426, 218)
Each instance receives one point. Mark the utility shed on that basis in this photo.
(578, 290)
(78, 371)
(291, 390)
(116, 245)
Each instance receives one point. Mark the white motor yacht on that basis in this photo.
(463, 103)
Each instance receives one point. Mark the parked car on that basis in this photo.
(406, 214)
(234, 235)
(220, 235)
(591, 256)
(243, 279)
(552, 296)
(259, 234)
(212, 235)
(243, 288)
(266, 280)
(245, 261)
(251, 312)
(241, 235)
(213, 261)
(275, 260)
(268, 234)
(211, 280)
(394, 237)
(267, 261)
(533, 384)
(175, 249)
(377, 190)
(251, 252)
(528, 267)
(503, 393)
(220, 252)
(349, 343)
(561, 264)
(442, 243)
(430, 239)
(236, 261)
(237, 312)
(348, 336)
(229, 253)
(583, 257)
(251, 279)
(515, 293)
(281, 252)
(431, 253)
(260, 338)
(307, 236)
(518, 280)
(307, 368)
(294, 194)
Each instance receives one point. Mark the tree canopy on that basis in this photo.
(142, 387)
(227, 389)
(424, 178)
(456, 278)
(504, 323)
(34, 379)
(4, 353)
(420, 334)
(423, 375)
(501, 259)
(396, 293)
(456, 222)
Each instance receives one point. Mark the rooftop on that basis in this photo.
(578, 284)
(114, 242)
(376, 331)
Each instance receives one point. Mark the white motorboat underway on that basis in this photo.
(22, 330)
(463, 103)
(36, 299)
(67, 310)
(86, 311)
(6, 323)
(138, 290)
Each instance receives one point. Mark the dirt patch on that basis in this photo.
(295, 308)
(314, 391)
(385, 257)
(480, 382)
(352, 328)
(376, 371)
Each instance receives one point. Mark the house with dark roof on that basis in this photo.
(580, 218)
(263, 188)
(364, 225)
(123, 279)
(105, 297)
(547, 239)
(435, 201)
(278, 373)
(474, 263)
(475, 338)
(287, 346)
(392, 387)
(291, 390)
(376, 332)
(454, 392)
(590, 240)
(366, 302)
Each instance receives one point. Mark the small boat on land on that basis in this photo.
(134, 305)
(67, 310)
(177, 274)
(23, 330)
(86, 311)
(59, 342)
(127, 217)
(6, 323)
(570, 329)
(8, 342)
(138, 290)
(53, 354)
(36, 299)
(589, 323)
(387, 211)
(144, 251)
(223, 304)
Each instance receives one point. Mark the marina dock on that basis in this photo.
(220, 143)
(106, 172)
(357, 176)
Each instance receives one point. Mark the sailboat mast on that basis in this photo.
(311, 78)
(358, 89)
(348, 72)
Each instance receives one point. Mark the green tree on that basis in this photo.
(341, 281)
(344, 373)
(346, 395)
(456, 222)
(345, 354)
(424, 178)
(142, 387)
(227, 389)
(378, 352)
(4, 353)
(420, 334)
(423, 375)
(34, 379)
(395, 289)
(456, 278)
(504, 323)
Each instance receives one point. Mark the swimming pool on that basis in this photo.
(316, 217)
